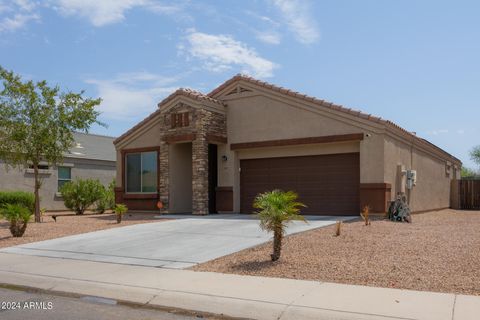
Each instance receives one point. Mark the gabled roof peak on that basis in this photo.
(292, 93)
(190, 93)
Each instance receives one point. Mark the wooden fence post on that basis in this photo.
(455, 194)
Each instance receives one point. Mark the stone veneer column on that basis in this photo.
(164, 183)
(200, 175)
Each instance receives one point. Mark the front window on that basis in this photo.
(64, 176)
(141, 172)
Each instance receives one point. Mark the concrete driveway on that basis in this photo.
(177, 244)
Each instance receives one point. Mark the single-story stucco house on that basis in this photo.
(91, 157)
(205, 153)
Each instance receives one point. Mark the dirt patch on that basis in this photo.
(70, 224)
(439, 251)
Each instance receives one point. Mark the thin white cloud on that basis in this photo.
(132, 95)
(437, 132)
(104, 12)
(26, 5)
(99, 12)
(17, 14)
(269, 37)
(262, 18)
(222, 52)
(17, 21)
(4, 7)
(296, 14)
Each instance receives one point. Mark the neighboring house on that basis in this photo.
(213, 153)
(92, 156)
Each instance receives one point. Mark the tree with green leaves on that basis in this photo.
(275, 210)
(37, 123)
(468, 173)
(475, 155)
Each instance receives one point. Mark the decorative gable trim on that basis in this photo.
(238, 90)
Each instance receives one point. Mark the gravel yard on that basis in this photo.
(70, 224)
(439, 251)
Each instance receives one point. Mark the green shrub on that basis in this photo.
(79, 195)
(107, 200)
(18, 216)
(23, 198)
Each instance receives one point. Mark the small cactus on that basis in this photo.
(338, 228)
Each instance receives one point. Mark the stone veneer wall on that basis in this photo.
(202, 124)
(208, 123)
(163, 184)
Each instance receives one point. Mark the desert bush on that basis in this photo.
(120, 210)
(107, 200)
(79, 195)
(366, 215)
(18, 216)
(23, 198)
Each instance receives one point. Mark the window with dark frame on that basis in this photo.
(141, 172)
(64, 176)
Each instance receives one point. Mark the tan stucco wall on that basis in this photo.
(371, 158)
(19, 180)
(180, 177)
(148, 136)
(433, 185)
(300, 150)
(258, 118)
(261, 118)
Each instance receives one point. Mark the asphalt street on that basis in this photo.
(20, 305)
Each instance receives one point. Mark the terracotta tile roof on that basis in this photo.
(296, 95)
(193, 94)
(326, 104)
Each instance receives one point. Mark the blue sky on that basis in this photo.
(413, 62)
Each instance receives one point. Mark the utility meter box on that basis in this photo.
(411, 178)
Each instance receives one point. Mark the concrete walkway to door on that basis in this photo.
(177, 244)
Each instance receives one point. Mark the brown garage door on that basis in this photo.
(327, 184)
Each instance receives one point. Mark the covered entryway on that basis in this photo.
(180, 167)
(327, 184)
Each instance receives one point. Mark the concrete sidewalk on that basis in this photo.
(231, 295)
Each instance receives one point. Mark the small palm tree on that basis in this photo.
(120, 209)
(276, 209)
(18, 216)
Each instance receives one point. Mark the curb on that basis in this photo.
(172, 310)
